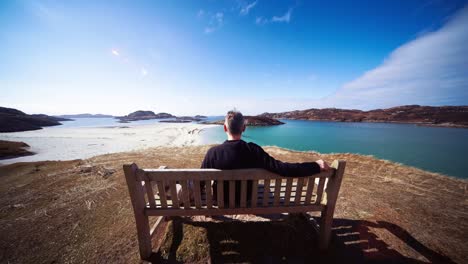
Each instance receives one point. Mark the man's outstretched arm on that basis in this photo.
(286, 169)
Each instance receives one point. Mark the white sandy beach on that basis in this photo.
(68, 143)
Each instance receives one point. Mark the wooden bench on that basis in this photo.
(271, 194)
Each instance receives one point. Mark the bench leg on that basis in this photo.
(144, 236)
(325, 229)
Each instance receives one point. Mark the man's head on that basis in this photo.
(234, 123)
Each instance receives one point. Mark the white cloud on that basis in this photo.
(284, 18)
(246, 9)
(430, 70)
(115, 52)
(216, 22)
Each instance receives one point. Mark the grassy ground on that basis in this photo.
(80, 212)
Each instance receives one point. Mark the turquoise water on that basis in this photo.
(436, 149)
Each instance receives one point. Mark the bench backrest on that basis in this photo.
(270, 193)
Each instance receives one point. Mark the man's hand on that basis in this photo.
(323, 165)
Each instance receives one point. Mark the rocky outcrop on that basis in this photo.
(143, 115)
(450, 116)
(12, 120)
(13, 149)
(253, 121)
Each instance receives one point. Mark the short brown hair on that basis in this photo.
(235, 122)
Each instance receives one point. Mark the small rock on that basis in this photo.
(86, 168)
(16, 206)
(106, 172)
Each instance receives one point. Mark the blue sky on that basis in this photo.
(205, 57)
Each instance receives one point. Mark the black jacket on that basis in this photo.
(238, 154)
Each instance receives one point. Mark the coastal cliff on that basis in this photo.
(13, 120)
(449, 116)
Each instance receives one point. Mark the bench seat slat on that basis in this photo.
(231, 211)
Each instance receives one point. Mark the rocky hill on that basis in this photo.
(450, 116)
(12, 120)
(143, 115)
(254, 121)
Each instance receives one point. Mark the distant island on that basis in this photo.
(143, 115)
(12, 120)
(148, 115)
(253, 121)
(87, 115)
(446, 116)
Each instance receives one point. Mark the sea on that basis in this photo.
(435, 149)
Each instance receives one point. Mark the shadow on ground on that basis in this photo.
(294, 240)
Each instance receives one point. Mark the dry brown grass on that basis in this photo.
(60, 212)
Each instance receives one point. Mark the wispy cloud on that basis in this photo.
(261, 21)
(275, 19)
(430, 70)
(284, 18)
(216, 22)
(246, 9)
(115, 52)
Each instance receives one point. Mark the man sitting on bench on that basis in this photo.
(235, 153)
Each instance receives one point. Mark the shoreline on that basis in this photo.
(442, 125)
(71, 143)
(84, 200)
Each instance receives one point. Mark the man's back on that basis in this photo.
(238, 154)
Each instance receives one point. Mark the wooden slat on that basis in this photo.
(213, 174)
(277, 192)
(266, 192)
(300, 183)
(220, 194)
(162, 193)
(232, 194)
(173, 188)
(231, 211)
(287, 196)
(197, 193)
(150, 194)
(320, 190)
(254, 193)
(209, 196)
(243, 200)
(185, 194)
(310, 189)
